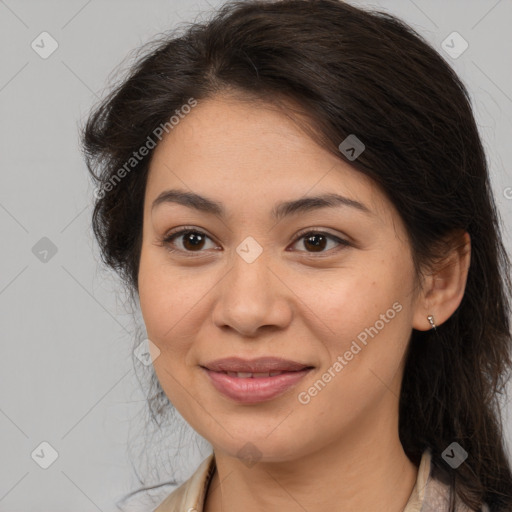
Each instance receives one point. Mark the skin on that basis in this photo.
(340, 451)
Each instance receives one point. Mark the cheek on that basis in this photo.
(349, 303)
(167, 308)
(164, 298)
(364, 318)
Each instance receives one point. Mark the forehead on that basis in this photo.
(251, 154)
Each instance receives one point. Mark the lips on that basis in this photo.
(253, 381)
(263, 365)
(253, 375)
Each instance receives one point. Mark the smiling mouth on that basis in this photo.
(263, 365)
(253, 388)
(258, 375)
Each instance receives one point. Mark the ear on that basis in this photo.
(444, 287)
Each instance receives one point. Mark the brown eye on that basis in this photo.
(317, 241)
(193, 240)
(190, 241)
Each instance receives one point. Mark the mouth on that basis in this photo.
(254, 381)
(250, 375)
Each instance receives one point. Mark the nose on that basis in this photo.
(252, 298)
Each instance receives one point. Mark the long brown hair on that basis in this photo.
(361, 72)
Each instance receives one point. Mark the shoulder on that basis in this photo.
(191, 493)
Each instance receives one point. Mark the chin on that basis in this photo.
(262, 447)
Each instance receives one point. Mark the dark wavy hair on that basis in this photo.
(350, 71)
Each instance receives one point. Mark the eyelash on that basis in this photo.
(168, 239)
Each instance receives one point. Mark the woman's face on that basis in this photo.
(330, 287)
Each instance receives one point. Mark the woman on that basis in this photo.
(297, 194)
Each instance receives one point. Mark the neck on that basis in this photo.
(366, 470)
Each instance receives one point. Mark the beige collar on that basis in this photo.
(418, 492)
(190, 496)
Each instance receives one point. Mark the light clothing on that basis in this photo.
(428, 494)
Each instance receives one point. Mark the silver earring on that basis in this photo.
(431, 320)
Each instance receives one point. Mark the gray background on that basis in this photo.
(67, 375)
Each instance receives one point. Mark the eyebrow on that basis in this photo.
(281, 210)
